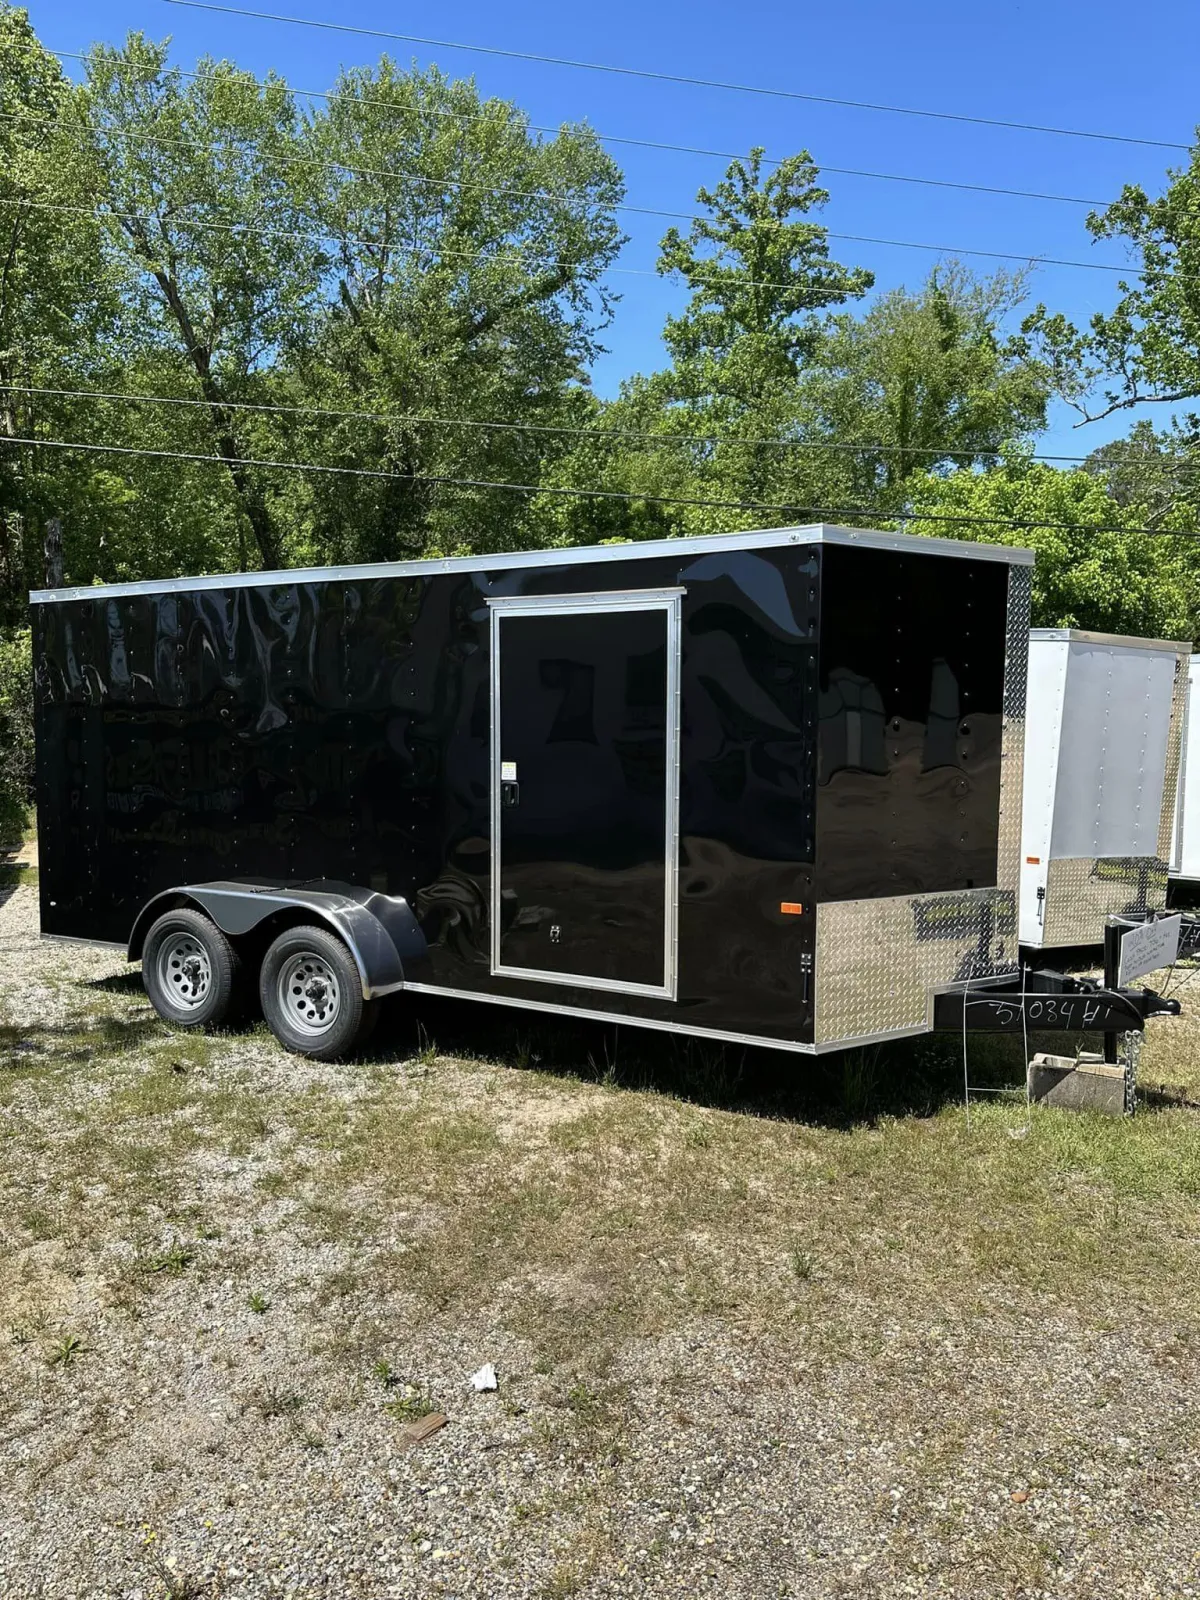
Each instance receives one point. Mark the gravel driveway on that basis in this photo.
(739, 1354)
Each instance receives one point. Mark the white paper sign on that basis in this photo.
(508, 772)
(1146, 949)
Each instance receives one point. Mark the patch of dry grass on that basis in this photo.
(604, 1209)
(603, 1213)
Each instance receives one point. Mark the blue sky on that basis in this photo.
(1096, 66)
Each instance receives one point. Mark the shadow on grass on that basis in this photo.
(906, 1077)
(40, 1044)
(129, 982)
(13, 877)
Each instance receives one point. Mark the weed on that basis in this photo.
(411, 1406)
(804, 1265)
(177, 1585)
(563, 1582)
(587, 1405)
(63, 1353)
(427, 1050)
(258, 1303)
(271, 1402)
(39, 1223)
(859, 1083)
(525, 1056)
(172, 1262)
(389, 1378)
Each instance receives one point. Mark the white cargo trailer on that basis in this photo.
(1185, 854)
(1103, 733)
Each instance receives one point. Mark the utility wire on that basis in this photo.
(148, 136)
(671, 77)
(440, 480)
(409, 420)
(354, 100)
(853, 238)
(487, 257)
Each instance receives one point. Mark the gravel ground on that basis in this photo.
(918, 1405)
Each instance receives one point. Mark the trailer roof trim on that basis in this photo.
(558, 556)
(1086, 636)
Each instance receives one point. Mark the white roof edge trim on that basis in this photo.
(555, 555)
(1087, 636)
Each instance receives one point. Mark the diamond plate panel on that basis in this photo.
(1012, 752)
(1082, 891)
(1166, 826)
(879, 961)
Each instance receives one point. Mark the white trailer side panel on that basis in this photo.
(1100, 766)
(1185, 855)
(1046, 694)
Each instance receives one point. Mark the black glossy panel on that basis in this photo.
(911, 706)
(340, 730)
(583, 725)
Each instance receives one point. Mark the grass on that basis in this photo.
(587, 1196)
(623, 1196)
(173, 1261)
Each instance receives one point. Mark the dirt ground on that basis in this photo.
(760, 1328)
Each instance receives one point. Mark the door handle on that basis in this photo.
(510, 795)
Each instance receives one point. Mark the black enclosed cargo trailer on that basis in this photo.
(763, 787)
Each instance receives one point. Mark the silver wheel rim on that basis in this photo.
(184, 971)
(310, 996)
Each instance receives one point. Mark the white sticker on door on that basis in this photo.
(508, 772)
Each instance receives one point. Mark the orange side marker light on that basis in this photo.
(791, 908)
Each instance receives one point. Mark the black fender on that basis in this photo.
(380, 930)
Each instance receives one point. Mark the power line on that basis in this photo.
(643, 144)
(256, 229)
(402, 419)
(717, 269)
(438, 480)
(383, 172)
(671, 77)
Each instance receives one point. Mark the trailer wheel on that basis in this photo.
(189, 969)
(312, 995)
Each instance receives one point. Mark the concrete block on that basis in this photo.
(1077, 1085)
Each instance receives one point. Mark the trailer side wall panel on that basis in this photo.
(683, 760)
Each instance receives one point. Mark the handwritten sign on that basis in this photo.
(1148, 948)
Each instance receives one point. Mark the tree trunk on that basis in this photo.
(54, 554)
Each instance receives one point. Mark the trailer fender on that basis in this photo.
(380, 930)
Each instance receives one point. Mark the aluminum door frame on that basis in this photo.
(668, 601)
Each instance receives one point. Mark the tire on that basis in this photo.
(190, 970)
(312, 995)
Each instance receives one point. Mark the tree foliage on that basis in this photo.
(1090, 572)
(929, 380)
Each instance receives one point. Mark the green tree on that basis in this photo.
(1147, 349)
(762, 285)
(1090, 571)
(464, 282)
(218, 271)
(55, 299)
(1157, 470)
(928, 380)
(725, 420)
(16, 733)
